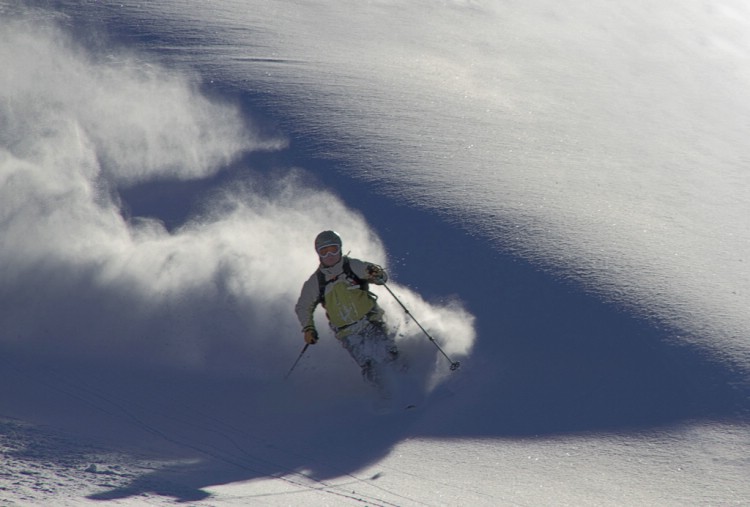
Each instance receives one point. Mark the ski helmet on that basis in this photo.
(327, 238)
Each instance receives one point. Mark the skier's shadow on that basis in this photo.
(549, 360)
(287, 434)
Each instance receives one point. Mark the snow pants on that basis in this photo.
(373, 350)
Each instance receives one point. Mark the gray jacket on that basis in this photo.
(337, 312)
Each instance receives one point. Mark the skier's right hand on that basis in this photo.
(311, 336)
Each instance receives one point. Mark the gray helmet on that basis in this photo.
(326, 238)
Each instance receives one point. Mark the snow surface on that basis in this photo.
(559, 192)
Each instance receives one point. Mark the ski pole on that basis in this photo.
(454, 364)
(297, 361)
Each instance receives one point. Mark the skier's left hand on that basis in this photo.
(376, 274)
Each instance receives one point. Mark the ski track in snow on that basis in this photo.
(565, 400)
(42, 466)
(167, 444)
(147, 446)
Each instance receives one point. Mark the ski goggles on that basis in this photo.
(329, 251)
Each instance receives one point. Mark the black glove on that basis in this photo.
(376, 274)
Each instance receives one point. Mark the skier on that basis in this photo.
(340, 284)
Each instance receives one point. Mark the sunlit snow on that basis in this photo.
(559, 189)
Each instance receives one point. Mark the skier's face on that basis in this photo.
(330, 261)
(329, 255)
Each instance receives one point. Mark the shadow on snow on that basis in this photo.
(549, 360)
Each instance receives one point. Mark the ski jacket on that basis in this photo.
(343, 296)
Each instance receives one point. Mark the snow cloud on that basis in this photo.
(604, 149)
(78, 277)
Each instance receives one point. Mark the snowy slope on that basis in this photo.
(157, 438)
(556, 211)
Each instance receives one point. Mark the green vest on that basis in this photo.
(345, 303)
(345, 299)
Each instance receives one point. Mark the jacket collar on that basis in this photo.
(333, 271)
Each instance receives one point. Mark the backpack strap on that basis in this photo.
(322, 282)
(321, 287)
(363, 284)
